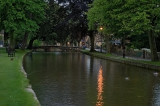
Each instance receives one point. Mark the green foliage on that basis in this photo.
(47, 32)
(138, 41)
(130, 17)
(127, 18)
(96, 14)
(37, 43)
(21, 16)
(51, 39)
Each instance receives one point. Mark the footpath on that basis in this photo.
(128, 60)
(13, 82)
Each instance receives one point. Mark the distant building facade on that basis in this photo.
(99, 40)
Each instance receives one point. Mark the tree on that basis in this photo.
(75, 20)
(128, 18)
(144, 17)
(54, 28)
(21, 18)
(47, 32)
(97, 17)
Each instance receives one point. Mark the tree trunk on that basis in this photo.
(30, 45)
(158, 43)
(91, 65)
(91, 35)
(24, 42)
(108, 44)
(5, 39)
(123, 48)
(12, 41)
(78, 42)
(152, 43)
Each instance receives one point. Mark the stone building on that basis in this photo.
(99, 40)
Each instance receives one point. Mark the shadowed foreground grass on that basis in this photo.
(13, 82)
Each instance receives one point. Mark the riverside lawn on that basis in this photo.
(13, 83)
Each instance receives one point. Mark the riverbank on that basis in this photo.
(138, 63)
(13, 82)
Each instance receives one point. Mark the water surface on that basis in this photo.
(75, 79)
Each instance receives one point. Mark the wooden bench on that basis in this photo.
(11, 53)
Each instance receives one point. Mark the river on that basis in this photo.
(76, 79)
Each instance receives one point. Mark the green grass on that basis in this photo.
(13, 82)
(103, 55)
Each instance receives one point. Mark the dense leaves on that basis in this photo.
(127, 18)
(75, 19)
(21, 16)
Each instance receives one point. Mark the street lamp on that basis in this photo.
(101, 28)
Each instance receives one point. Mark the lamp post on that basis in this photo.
(101, 28)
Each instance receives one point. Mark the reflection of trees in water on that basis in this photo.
(103, 86)
(91, 64)
(125, 73)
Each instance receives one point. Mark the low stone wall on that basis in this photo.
(142, 54)
(128, 62)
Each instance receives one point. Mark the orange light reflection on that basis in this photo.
(100, 88)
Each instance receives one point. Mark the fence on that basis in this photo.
(139, 54)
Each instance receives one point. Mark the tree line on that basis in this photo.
(127, 19)
(52, 21)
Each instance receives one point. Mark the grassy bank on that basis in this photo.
(139, 63)
(13, 82)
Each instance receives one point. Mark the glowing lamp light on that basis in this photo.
(101, 28)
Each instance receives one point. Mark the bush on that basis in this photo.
(37, 43)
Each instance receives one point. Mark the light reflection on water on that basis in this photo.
(100, 87)
(75, 79)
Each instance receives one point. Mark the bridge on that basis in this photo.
(56, 49)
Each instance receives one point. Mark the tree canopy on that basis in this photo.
(21, 16)
(125, 18)
(69, 20)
